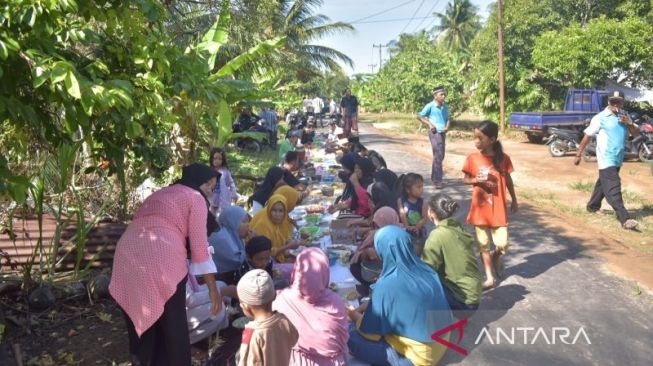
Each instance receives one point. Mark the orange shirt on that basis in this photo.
(488, 207)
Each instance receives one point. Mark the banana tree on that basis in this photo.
(231, 91)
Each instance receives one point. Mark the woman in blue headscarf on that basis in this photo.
(228, 245)
(407, 306)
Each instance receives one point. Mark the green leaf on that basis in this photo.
(31, 16)
(58, 73)
(87, 101)
(134, 129)
(225, 122)
(252, 54)
(72, 86)
(4, 53)
(41, 76)
(217, 35)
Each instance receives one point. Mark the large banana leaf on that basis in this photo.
(224, 122)
(217, 35)
(252, 54)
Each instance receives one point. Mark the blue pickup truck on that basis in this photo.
(580, 107)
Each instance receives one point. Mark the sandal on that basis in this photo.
(630, 224)
(489, 286)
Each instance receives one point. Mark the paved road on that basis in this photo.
(551, 286)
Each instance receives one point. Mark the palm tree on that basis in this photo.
(458, 25)
(296, 20)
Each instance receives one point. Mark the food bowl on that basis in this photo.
(313, 219)
(309, 172)
(309, 232)
(328, 191)
(370, 271)
(333, 258)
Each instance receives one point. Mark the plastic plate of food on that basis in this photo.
(309, 232)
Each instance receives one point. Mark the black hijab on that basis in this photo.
(349, 160)
(271, 178)
(388, 177)
(382, 196)
(193, 176)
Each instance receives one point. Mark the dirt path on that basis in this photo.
(554, 279)
(546, 183)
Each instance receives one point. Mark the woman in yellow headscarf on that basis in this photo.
(273, 223)
(291, 195)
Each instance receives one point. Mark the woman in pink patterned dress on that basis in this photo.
(150, 267)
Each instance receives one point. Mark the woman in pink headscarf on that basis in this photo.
(383, 217)
(318, 313)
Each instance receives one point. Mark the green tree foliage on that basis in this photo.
(529, 87)
(604, 48)
(458, 25)
(405, 82)
(110, 76)
(524, 20)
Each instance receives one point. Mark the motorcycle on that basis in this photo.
(249, 143)
(562, 141)
(646, 126)
(640, 148)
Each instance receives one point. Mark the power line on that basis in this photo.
(381, 12)
(413, 17)
(435, 18)
(429, 12)
(393, 20)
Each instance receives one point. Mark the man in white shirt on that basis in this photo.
(333, 107)
(307, 104)
(318, 104)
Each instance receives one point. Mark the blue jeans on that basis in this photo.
(459, 309)
(376, 353)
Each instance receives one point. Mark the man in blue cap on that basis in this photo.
(611, 128)
(435, 116)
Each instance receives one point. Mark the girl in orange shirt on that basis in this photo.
(488, 171)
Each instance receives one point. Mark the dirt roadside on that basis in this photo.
(561, 189)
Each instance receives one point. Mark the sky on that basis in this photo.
(381, 28)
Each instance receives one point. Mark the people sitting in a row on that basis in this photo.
(354, 197)
(406, 307)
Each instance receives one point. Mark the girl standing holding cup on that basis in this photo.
(488, 171)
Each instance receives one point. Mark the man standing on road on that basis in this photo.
(349, 106)
(611, 128)
(435, 116)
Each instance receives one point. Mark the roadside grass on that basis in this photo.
(244, 165)
(587, 187)
(608, 222)
(462, 126)
(628, 196)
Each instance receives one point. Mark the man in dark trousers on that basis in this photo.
(349, 106)
(435, 116)
(611, 128)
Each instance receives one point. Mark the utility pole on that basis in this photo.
(380, 47)
(372, 66)
(502, 106)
